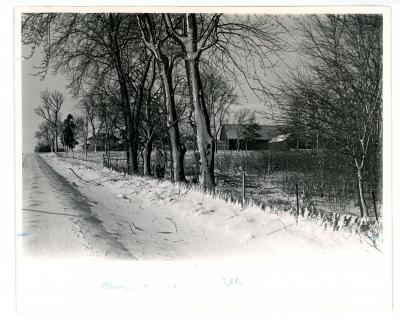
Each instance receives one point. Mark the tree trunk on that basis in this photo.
(127, 155)
(136, 112)
(171, 162)
(131, 158)
(86, 134)
(215, 135)
(147, 170)
(55, 141)
(205, 141)
(176, 148)
(363, 204)
(94, 136)
(107, 143)
(133, 153)
(192, 122)
(196, 156)
(147, 157)
(131, 145)
(56, 137)
(129, 121)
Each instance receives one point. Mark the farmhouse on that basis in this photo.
(230, 137)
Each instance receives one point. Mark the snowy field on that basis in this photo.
(121, 239)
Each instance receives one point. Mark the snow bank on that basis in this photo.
(174, 221)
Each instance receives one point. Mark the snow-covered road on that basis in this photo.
(58, 219)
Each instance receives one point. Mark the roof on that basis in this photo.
(265, 131)
(280, 138)
(102, 136)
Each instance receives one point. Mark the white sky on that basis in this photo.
(31, 88)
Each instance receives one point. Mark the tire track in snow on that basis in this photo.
(77, 209)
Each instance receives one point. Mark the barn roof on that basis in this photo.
(102, 136)
(280, 138)
(265, 131)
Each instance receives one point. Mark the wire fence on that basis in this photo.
(288, 180)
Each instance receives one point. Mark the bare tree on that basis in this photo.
(194, 38)
(220, 96)
(93, 105)
(217, 36)
(339, 91)
(80, 128)
(151, 118)
(240, 119)
(91, 45)
(83, 128)
(251, 129)
(49, 110)
(155, 39)
(246, 127)
(45, 134)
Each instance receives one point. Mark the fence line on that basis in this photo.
(270, 188)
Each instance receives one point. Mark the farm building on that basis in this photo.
(265, 133)
(115, 143)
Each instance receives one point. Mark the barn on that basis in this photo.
(265, 133)
(114, 143)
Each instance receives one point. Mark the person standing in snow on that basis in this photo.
(159, 164)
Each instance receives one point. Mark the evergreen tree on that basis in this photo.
(69, 133)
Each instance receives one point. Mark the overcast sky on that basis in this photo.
(31, 88)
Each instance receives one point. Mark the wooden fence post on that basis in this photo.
(297, 202)
(286, 172)
(243, 187)
(374, 200)
(362, 213)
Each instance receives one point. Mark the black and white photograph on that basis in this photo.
(233, 154)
